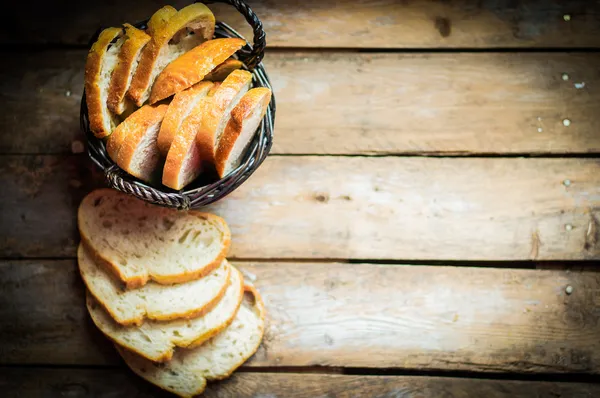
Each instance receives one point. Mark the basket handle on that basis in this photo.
(258, 48)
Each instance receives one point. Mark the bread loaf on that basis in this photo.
(153, 300)
(156, 341)
(101, 61)
(183, 31)
(188, 371)
(138, 241)
(191, 67)
(244, 122)
(179, 108)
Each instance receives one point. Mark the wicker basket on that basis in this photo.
(199, 193)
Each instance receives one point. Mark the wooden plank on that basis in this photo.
(318, 23)
(348, 207)
(83, 383)
(347, 315)
(345, 103)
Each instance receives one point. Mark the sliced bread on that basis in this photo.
(191, 67)
(187, 373)
(244, 121)
(184, 162)
(218, 112)
(179, 108)
(129, 57)
(223, 70)
(140, 120)
(152, 301)
(159, 19)
(139, 241)
(138, 153)
(100, 64)
(183, 31)
(156, 341)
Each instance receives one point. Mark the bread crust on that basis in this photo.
(159, 19)
(221, 71)
(197, 16)
(141, 280)
(206, 136)
(140, 119)
(138, 127)
(190, 343)
(255, 98)
(93, 69)
(181, 146)
(191, 67)
(121, 78)
(179, 108)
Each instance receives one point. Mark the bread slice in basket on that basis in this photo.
(135, 146)
(159, 19)
(187, 373)
(183, 31)
(102, 59)
(153, 300)
(179, 108)
(156, 341)
(221, 71)
(244, 121)
(129, 56)
(191, 67)
(218, 112)
(138, 241)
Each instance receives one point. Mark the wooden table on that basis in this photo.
(428, 223)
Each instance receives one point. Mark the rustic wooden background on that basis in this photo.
(433, 193)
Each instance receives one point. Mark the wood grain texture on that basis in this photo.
(348, 208)
(327, 23)
(347, 315)
(83, 383)
(345, 103)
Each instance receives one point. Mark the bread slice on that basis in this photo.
(191, 67)
(218, 112)
(156, 341)
(244, 121)
(140, 120)
(101, 61)
(223, 70)
(159, 19)
(179, 108)
(129, 57)
(189, 369)
(183, 31)
(138, 153)
(153, 300)
(139, 241)
(184, 163)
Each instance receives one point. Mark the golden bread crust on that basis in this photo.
(195, 16)
(191, 67)
(119, 83)
(93, 69)
(255, 98)
(179, 108)
(205, 137)
(221, 71)
(159, 19)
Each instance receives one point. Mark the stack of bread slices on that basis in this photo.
(171, 101)
(159, 286)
